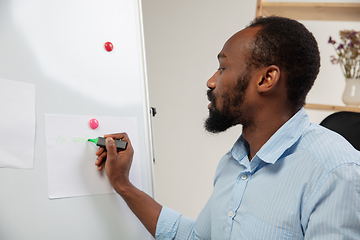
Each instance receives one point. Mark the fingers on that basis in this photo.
(100, 167)
(100, 161)
(122, 136)
(100, 151)
(111, 147)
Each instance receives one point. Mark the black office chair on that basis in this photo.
(347, 124)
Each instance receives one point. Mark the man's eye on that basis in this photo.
(221, 70)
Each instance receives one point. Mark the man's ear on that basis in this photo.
(269, 78)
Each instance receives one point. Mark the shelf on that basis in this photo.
(310, 11)
(331, 107)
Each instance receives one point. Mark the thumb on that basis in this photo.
(110, 147)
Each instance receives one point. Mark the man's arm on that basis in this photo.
(117, 166)
(333, 212)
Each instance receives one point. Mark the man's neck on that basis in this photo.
(261, 131)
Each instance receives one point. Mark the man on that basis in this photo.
(284, 178)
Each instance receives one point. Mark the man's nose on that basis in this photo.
(211, 83)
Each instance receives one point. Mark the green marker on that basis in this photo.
(100, 141)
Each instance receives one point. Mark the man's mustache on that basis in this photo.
(210, 95)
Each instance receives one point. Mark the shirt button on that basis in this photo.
(231, 213)
(244, 177)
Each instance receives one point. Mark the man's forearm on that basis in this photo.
(142, 205)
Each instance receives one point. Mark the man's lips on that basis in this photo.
(211, 99)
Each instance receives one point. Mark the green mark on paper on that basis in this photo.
(77, 140)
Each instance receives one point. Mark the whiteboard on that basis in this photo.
(58, 45)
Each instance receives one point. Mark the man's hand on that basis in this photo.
(117, 164)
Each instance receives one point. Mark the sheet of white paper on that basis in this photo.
(17, 124)
(71, 158)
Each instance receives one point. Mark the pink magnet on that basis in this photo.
(94, 123)
(109, 46)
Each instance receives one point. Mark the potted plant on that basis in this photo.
(348, 56)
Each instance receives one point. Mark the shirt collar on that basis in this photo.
(283, 138)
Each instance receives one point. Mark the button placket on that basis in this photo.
(231, 214)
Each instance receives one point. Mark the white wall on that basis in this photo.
(182, 40)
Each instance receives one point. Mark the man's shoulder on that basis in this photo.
(327, 147)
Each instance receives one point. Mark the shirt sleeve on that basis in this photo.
(173, 225)
(333, 212)
(168, 224)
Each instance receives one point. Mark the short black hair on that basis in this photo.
(289, 45)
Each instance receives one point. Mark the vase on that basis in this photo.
(351, 95)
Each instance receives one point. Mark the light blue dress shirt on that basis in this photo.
(304, 183)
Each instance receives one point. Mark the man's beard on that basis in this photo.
(220, 121)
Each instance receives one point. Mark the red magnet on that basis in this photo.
(94, 123)
(109, 46)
